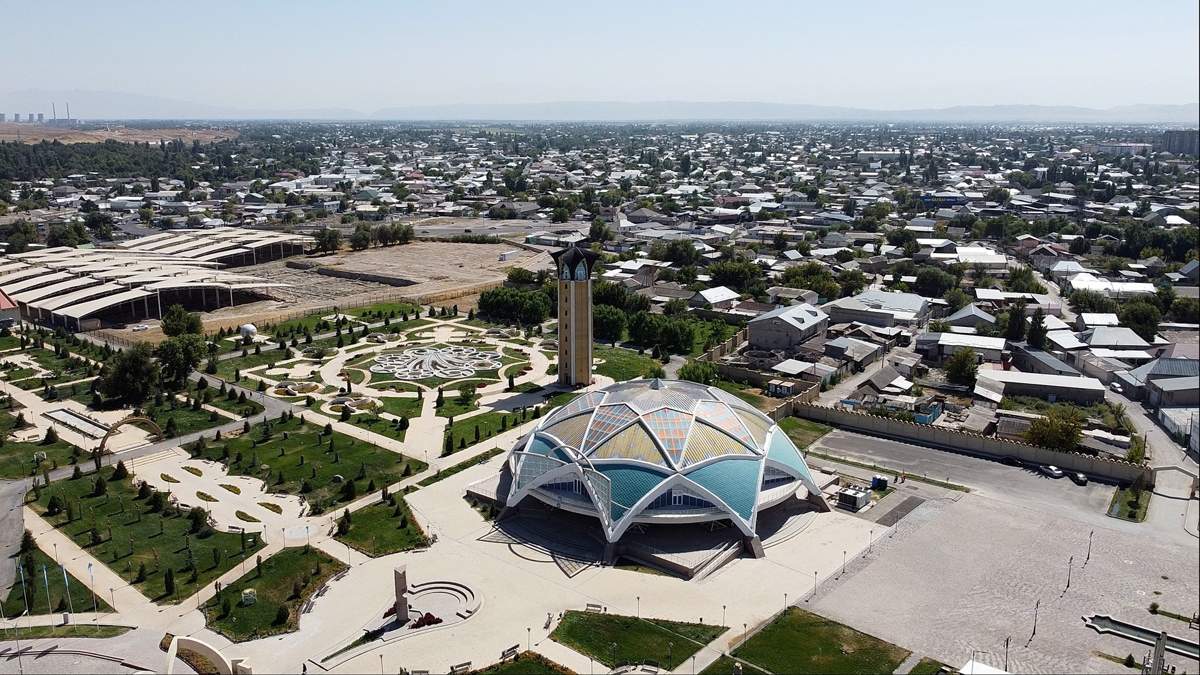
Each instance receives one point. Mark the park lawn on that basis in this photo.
(274, 581)
(742, 391)
(376, 312)
(453, 406)
(216, 399)
(185, 419)
(270, 354)
(76, 391)
(32, 562)
(623, 364)
(17, 374)
(489, 424)
(803, 432)
(61, 369)
(798, 641)
(928, 666)
(16, 459)
(376, 424)
(637, 640)
(377, 531)
(84, 348)
(443, 474)
(132, 535)
(9, 342)
(307, 465)
(401, 406)
(525, 663)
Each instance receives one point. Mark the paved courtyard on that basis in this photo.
(964, 575)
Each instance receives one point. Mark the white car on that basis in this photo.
(1116, 387)
(1052, 471)
(139, 327)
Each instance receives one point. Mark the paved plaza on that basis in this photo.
(965, 574)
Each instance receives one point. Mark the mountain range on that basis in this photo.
(102, 105)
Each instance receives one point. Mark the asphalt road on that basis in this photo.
(983, 476)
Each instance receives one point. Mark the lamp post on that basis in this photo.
(973, 653)
(1006, 641)
(669, 646)
(381, 664)
(722, 615)
(814, 590)
(639, 606)
(528, 638)
(785, 602)
(843, 565)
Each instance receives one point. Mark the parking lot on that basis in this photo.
(985, 477)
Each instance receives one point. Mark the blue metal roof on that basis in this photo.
(629, 484)
(735, 481)
(782, 450)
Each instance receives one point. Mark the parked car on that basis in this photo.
(1079, 477)
(1052, 471)
(1116, 386)
(137, 328)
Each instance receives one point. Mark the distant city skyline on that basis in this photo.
(371, 56)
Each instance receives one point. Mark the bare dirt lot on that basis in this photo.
(33, 133)
(426, 272)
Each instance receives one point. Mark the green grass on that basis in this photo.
(742, 391)
(800, 642)
(376, 312)
(453, 406)
(623, 364)
(803, 432)
(249, 408)
(275, 584)
(72, 631)
(16, 459)
(9, 342)
(376, 424)
(525, 663)
(131, 534)
(1124, 507)
(489, 424)
(270, 354)
(401, 406)
(186, 420)
(307, 465)
(31, 562)
(928, 666)
(710, 332)
(61, 369)
(443, 474)
(378, 530)
(636, 640)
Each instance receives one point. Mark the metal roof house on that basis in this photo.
(660, 452)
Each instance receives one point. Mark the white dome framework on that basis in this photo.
(661, 452)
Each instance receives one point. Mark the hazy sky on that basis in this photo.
(368, 55)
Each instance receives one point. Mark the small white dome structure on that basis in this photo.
(247, 330)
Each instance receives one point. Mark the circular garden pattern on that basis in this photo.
(420, 363)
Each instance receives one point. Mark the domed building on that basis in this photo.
(660, 452)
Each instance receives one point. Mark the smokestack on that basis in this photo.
(68, 110)
(53, 110)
